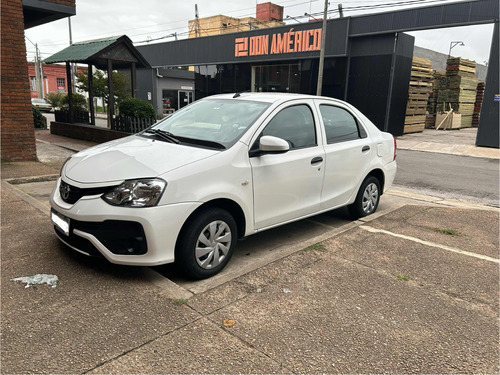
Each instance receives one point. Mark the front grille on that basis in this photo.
(71, 194)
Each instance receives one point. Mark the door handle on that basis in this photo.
(366, 148)
(316, 160)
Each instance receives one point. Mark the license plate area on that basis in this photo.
(60, 221)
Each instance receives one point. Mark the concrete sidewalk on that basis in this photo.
(411, 289)
(454, 142)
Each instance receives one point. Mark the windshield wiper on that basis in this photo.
(166, 136)
(204, 142)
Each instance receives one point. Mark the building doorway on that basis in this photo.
(172, 100)
(185, 98)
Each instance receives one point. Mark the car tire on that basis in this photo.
(367, 199)
(206, 243)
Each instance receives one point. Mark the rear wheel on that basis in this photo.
(207, 243)
(367, 200)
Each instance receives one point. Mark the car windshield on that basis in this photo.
(39, 101)
(212, 121)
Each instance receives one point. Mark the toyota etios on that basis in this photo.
(222, 168)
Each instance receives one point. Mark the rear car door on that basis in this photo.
(287, 186)
(348, 151)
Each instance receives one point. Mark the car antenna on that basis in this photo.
(237, 95)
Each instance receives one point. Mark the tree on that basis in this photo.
(79, 102)
(56, 98)
(121, 85)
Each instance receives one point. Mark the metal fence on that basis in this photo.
(79, 117)
(131, 125)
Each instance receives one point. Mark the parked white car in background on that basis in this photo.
(42, 104)
(222, 168)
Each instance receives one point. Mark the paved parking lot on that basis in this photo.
(393, 294)
(412, 289)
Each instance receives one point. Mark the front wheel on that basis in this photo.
(367, 200)
(207, 243)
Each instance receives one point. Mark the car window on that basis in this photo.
(340, 124)
(294, 124)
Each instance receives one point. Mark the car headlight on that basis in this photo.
(136, 193)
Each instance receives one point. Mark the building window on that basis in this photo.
(33, 84)
(61, 84)
(278, 78)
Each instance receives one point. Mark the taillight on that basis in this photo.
(395, 147)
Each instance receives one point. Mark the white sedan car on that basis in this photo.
(222, 168)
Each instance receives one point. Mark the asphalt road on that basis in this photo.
(449, 176)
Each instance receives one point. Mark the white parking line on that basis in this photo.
(428, 243)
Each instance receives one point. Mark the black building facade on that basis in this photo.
(367, 59)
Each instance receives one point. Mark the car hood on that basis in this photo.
(130, 158)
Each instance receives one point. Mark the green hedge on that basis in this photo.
(137, 108)
(39, 120)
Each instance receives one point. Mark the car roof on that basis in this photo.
(269, 97)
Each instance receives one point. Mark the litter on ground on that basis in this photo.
(50, 280)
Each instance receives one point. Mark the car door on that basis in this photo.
(288, 185)
(348, 151)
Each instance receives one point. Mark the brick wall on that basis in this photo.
(17, 130)
(51, 72)
(63, 2)
(269, 11)
(90, 133)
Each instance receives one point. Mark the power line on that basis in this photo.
(176, 30)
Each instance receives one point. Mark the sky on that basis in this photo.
(152, 19)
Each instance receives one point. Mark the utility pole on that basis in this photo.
(341, 11)
(39, 77)
(72, 65)
(197, 21)
(41, 74)
(322, 52)
(38, 71)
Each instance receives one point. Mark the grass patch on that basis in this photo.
(403, 277)
(449, 232)
(180, 301)
(317, 246)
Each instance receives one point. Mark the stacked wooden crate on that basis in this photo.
(478, 104)
(460, 90)
(437, 81)
(418, 94)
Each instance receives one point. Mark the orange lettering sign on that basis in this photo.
(279, 43)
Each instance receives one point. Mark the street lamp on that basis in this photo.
(312, 17)
(293, 18)
(454, 44)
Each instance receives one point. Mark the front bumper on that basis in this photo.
(123, 235)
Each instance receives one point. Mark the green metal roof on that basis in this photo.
(119, 49)
(81, 51)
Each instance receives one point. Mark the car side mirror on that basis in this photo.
(270, 145)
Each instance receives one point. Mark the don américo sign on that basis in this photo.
(278, 43)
